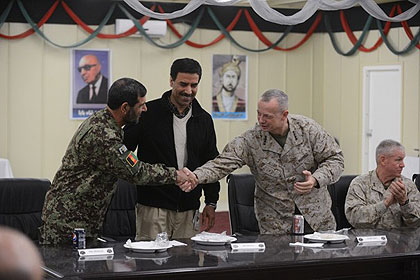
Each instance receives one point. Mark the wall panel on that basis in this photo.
(35, 87)
(25, 95)
(4, 93)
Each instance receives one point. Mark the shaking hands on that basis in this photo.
(186, 180)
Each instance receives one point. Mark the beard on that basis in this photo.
(229, 88)
(131, 117)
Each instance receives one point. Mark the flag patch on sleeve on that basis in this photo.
(131, 159)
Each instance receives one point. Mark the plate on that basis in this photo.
(335, 246)
(146, 247)
(212, 242)
(214, 248)
(326, 237)
(147, 256)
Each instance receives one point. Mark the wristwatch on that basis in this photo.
(212, 204)
(406, 202)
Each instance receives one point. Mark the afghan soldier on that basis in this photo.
(384, 198)
(293, 160)
(95, 158)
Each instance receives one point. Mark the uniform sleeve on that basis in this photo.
(233, 157)
(131, 136)
(329, 156)
(110, 155)
(359, 212)
(211, 190)
(411, 212)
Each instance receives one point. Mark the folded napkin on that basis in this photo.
(343, 231)
(171, 243)
(213, 237)
(310, 245)
(176, 243)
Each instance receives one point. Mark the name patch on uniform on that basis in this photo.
(131, 159)
(122, 149)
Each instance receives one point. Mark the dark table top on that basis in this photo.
(201, 262)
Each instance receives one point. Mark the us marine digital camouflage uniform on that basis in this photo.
(308, 147)
(83, 186)
(365, 206)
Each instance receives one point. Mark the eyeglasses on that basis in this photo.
(86, 67)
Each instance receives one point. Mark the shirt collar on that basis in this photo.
(175, 111)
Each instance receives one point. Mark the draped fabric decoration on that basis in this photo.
(262, 8)
(258, 5)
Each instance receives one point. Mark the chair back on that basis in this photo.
(120, 219)
(21, 203)
(241, 188)
(338, 192)
(416, 179)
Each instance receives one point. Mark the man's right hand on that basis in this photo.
(186, 180)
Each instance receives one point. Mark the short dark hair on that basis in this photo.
(185, 65)
(125, 90)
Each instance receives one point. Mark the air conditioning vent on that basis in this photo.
(153, 28)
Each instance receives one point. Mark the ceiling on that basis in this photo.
(281, 4)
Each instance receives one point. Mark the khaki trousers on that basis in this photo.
(150, 221)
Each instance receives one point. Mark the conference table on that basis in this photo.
(399, 258)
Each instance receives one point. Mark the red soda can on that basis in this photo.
(298, 224)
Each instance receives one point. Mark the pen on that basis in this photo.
(102, 240)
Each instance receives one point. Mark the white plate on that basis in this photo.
(213, 242)
(326, 237)
(146, 247)
(147, 256)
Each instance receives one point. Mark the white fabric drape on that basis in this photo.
(266, 12)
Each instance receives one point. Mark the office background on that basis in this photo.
(321, 84)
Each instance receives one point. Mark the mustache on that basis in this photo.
(184, 94)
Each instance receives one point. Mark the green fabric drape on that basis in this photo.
(408, 48)
(358, 43)
(227, 35)
(90, 37)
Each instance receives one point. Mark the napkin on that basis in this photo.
(176, 243)
(310, 245)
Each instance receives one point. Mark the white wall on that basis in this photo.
(35, 87)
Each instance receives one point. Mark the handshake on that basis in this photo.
(186, 180)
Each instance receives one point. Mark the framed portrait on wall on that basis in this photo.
(90, 81)
(230, 87)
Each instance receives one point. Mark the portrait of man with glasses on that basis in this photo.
(96, 88)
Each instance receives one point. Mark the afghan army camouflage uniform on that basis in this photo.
(365, 206)
(308, 147)
(83, 186)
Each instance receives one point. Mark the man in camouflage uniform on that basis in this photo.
(95, 158)
(293, 160)
(384, 198)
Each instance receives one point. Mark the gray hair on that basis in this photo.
(386, 147)
(280, 96)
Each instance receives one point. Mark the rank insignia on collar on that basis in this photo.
(131, 159)
(122, 149)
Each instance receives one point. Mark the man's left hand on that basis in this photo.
(307, 185)
(208, 217)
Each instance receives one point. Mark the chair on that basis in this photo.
(416, 179)
(241, 189)
(120, 219)
(21, 202)
(338, 192)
